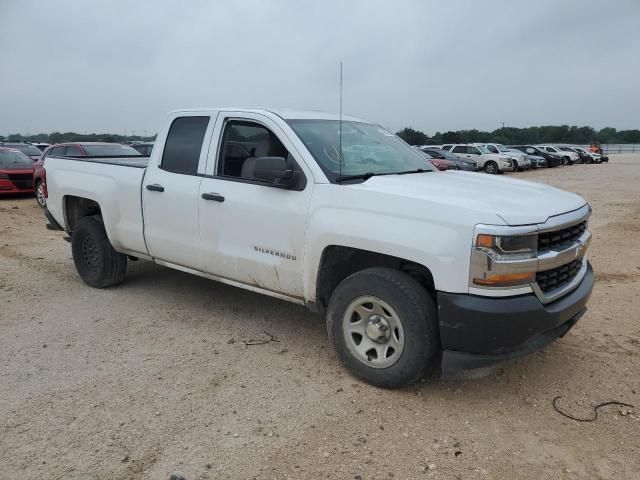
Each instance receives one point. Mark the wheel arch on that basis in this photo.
(74, 208)
(337, 262)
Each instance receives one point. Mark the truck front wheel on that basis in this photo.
(383, 325)
(491, 167)
(97, 263)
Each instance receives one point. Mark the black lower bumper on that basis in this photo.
(477, 333)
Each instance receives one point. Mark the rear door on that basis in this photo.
(462, 151)
(251, 231)
(170, 191)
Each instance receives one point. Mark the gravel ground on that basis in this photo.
(154, 376)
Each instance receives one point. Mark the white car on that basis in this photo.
(569, 157)
(413, 268)
(522, 159)
(487, 161)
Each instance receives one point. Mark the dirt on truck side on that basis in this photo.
(172, 373)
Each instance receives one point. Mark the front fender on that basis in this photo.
(442, 247)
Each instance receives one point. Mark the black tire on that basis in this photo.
(38, 191)
(491, 167)
(97, 263)
(418, 320)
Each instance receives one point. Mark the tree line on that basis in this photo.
(505, 135)
(529, 135)
(58, 137)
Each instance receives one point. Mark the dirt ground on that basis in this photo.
(153, 377)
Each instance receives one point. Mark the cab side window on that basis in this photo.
(243, 142)
(459, 149)
(184, 144)
(56, 152)
(72, 151)
(492, 149)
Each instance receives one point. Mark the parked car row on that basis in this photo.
(22, 164)
(497, 158)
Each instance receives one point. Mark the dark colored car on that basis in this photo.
(31, 150)
(460, 163)
(552, 160)
(77, 149)
(144, 148)
(16, 172)
(583, 157)
(537, 161)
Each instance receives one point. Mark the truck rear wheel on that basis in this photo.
(97, 263)
(383, 325)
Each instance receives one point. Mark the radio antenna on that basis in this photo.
(340, 124)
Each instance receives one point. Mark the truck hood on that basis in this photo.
(517, 202)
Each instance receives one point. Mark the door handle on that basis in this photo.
(155, 188)
(216, 197)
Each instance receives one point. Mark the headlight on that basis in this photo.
(508, 244)
(503, 260)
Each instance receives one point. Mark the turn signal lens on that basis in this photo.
(485, 241)
(506, 280)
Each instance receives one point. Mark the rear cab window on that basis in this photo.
(184, 144)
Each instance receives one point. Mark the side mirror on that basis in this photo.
(275, 171)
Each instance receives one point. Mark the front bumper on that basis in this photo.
(477, 333)
(506, 166)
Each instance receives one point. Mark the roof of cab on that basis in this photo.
(284, 113)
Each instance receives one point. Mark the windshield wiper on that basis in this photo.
(368, 175)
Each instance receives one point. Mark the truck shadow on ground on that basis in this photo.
(238, 312)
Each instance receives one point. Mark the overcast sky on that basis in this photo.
(103, 66)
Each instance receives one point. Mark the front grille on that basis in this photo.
(559, 276)
(557, 238)
(22, 180)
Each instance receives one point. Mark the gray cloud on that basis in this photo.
(111, 65)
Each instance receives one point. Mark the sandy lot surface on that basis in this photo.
(152, 377)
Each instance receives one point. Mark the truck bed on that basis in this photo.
(114, 183)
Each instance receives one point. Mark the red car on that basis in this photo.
(443, 164)
(75, 149)
(16, 172)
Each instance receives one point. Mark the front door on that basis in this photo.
(251, 231)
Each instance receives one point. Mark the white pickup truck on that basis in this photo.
(413, 268)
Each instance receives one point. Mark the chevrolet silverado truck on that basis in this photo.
(413, 268)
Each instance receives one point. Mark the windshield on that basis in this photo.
(502, 149)
(14, 160)
(113, 150)
(483, 149)
(26, 148)
(366, 148)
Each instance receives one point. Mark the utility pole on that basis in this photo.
(503, 124)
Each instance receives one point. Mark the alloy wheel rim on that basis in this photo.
(40, 195)
(373, 332)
